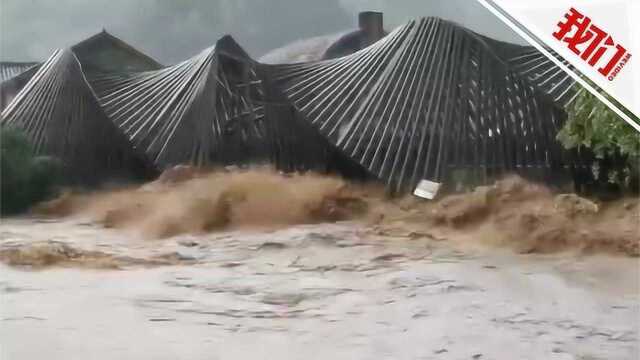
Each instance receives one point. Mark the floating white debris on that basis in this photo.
(427, 189)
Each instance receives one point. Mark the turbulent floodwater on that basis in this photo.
(382, 286)
(323, 291)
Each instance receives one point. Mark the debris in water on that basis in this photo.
(427, 189)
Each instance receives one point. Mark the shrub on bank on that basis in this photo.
(24, 178)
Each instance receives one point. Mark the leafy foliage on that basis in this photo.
(593, 125)
(24, 179)
(614, 143)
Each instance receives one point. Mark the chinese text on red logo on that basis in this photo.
(592, 44)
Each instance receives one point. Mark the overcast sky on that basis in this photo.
(173, 30)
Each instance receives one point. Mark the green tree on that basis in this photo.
(615, 143)
(24, 179)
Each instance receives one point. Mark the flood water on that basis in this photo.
(323, 291)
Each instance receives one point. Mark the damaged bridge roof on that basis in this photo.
(9, 69)
(427, 98)
(177, 114)
(60, 115)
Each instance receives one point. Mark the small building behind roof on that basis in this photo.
(330, 46)
(370, 30)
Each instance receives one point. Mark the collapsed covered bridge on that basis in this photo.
(428, 99)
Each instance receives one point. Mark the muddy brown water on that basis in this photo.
(399, 282)
(317, 291)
